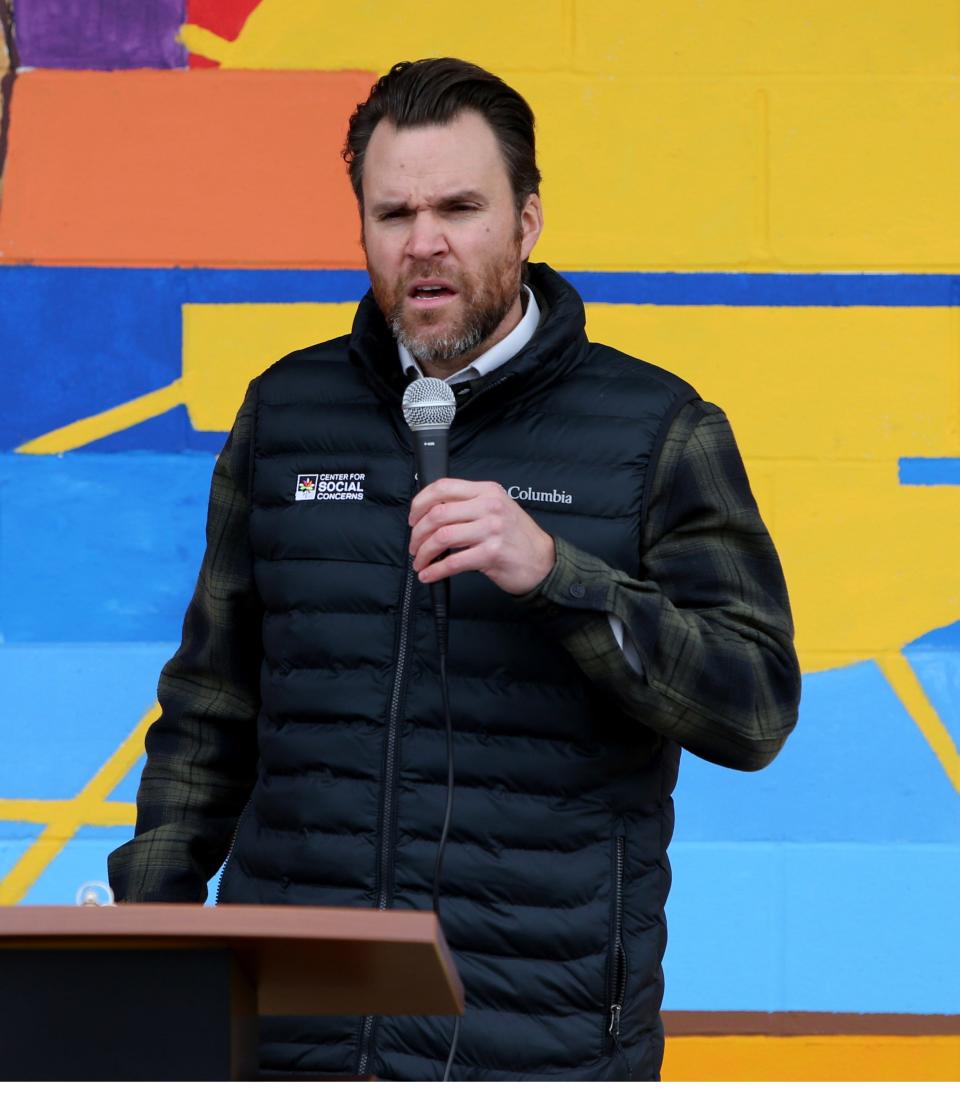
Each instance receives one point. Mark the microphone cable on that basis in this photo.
(440, 622)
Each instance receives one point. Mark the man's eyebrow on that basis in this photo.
(460, 197)
(401, 206)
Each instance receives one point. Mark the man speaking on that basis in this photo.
(614, 597)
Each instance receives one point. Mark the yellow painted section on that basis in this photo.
(38, 811)
(812, 1057)
(870, 564)
(748, 37)
(694, 135)
(224, 346)
(369, 34)
(823, 405)
(811, 383)
(865, 173)
(64, 818)
(631, 186)
(109, 422)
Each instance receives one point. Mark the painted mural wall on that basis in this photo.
(760, 197)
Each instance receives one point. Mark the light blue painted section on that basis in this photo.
(65, 709)
(939, 675)
(83, 859)
(15, 838)
(855, 769)
(724, 941)
(813, 927)
(935, 658)
(98, 548)
(126, 791)
(872, 928)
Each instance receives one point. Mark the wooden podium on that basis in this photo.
(172, 991)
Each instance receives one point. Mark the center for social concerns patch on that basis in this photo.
(329, 486)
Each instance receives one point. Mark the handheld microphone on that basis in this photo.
(429, 407)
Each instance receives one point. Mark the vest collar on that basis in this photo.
(557, 345)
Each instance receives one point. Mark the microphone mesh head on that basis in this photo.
(428, 403)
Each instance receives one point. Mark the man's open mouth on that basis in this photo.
(431, 291)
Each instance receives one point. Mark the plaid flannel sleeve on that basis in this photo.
(708, 615)
(201, 751)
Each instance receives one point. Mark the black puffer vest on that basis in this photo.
(556, 873)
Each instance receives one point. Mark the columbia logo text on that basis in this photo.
(550, 496)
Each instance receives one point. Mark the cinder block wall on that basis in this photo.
(759, 196)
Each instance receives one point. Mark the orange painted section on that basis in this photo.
(202, 167)
(813, 1057)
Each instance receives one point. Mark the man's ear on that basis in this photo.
(531, 225)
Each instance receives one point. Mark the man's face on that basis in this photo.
(443, 240)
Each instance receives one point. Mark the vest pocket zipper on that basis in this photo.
(233, 840)
(618, 955)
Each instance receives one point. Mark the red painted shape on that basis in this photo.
(195, 61)
(204, 167)
(223, 17)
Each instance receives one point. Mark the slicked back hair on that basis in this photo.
(433, 92)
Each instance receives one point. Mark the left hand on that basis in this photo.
(488, 532)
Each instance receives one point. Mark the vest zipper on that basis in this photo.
(386, 846)
(618, 976)
(233, 840)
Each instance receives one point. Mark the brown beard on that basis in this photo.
(484, 302)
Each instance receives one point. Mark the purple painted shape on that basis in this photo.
(100, 34)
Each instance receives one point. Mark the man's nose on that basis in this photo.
(426, 238)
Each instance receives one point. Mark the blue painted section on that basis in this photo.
(118, 330)
(854, 740)
(99, 549)
(64, 710)
(83, 859)
(171, 431)
(776, 289)
(929, 471)
(813, 927)
(78, 341)
(945, 637)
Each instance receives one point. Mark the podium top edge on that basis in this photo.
(226, 924)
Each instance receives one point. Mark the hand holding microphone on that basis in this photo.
(486, 530)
